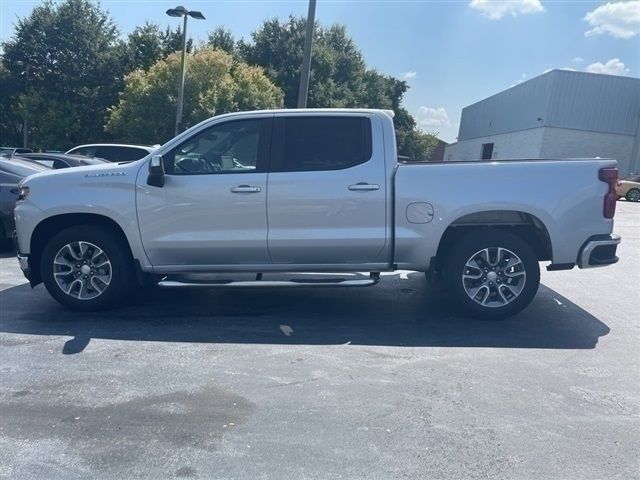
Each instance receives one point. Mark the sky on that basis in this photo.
(452, 53)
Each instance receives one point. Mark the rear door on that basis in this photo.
(326, 200)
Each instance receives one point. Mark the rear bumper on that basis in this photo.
(599, 251)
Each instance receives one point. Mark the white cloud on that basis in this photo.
(496, 9)
(410, 75)
(432, 117)
(612, 67)
(618, 19)
(577, 60)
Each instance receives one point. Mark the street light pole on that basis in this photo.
(182, 12)
(306, 58)
(183, 74)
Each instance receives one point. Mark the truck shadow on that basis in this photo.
(401, 311)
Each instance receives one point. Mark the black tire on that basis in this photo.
(467, 248)
(121, 269)
(633, 195)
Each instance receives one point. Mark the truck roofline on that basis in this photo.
(389, 113)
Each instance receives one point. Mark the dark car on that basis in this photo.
(9, 152)
(60, 160)
(12, 171)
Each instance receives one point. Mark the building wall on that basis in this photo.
(521, 107)
(594, 102)
(567, 143)
(558, 98)
(549, 142)
(521, 144)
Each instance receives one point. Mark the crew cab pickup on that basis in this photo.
(315, 191)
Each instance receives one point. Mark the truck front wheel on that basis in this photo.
(492, 274)
(86, 267)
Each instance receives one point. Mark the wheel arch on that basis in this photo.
(524, 225)
(50, 226)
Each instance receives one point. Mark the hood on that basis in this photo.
(86, 174)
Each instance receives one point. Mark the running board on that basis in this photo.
(373, 279)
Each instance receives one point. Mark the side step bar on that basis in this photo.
(373, 279)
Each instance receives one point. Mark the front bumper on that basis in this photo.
(23, 260)
(599, 251)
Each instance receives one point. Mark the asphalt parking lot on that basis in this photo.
(379, 383)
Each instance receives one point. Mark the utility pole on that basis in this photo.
(306, 59)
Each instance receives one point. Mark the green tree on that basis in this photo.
(339, 75)
(143, 48)
(11, 108)
(171, 41)
(337, 68)
(222, 39)
(216, 84)
(70, 50)
(147, 44)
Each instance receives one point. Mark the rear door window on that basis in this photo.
(307, 143)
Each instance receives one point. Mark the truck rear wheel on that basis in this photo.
(87, 267)
(492, 274)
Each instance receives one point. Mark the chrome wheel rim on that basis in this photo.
(494, 277)
(82, 270)
(634, 195)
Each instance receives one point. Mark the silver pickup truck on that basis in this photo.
(294, 191)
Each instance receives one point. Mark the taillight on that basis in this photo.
(610, 177)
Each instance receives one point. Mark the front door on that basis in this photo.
(211, 210)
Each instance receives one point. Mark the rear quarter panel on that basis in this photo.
(565, 195)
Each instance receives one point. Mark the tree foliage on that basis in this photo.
(222, 39)
(68, 51)
(11, 109)
(66, 67)
(339, 76)
(148, 44)
(216, 84)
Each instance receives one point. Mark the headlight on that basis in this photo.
(23, 193)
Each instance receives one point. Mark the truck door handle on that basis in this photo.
(363, 187)
(245, 189)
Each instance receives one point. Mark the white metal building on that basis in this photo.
(559, 114)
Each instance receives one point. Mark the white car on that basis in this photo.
(312, 191)
(113, 152)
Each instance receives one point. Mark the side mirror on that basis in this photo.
(156, 172)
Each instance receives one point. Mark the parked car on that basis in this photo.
(57, 161)
(312, 191)
(12, 172)
(629, 188)
(113, 152)
(9, 152)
